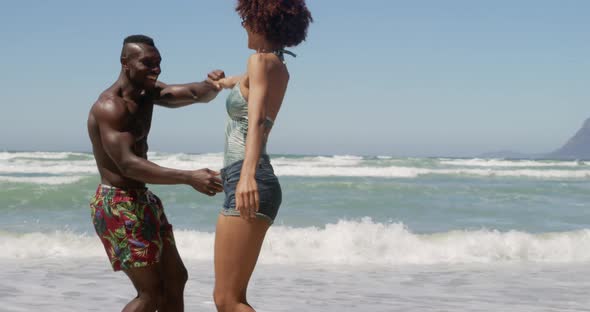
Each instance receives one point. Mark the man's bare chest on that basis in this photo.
(140, 121)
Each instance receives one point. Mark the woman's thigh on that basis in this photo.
(237, 246)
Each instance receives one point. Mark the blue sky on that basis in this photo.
(403, 78)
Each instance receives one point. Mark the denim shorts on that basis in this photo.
(269, 189)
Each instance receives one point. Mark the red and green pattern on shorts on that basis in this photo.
(131, 224)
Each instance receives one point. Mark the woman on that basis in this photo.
(253, 193)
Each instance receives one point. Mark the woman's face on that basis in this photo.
(255, 41)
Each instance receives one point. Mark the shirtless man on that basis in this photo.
(128, 218)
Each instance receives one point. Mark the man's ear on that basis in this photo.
(124, 62)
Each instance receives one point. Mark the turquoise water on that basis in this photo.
(50, 191)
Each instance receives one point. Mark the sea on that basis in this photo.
(354, 233)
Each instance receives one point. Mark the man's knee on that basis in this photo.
(182, 276)
(152, 295)
(175, 282)
(174, 287)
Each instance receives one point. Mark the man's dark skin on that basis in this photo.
(118, 126)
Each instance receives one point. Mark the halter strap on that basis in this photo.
(281, 54)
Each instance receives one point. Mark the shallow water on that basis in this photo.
(354, 233)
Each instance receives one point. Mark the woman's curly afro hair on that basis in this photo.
(282, 22)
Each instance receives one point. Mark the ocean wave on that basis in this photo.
(16, 167)
(42, 180)
(478, 162)
(40, 155)
(414, 172)
(343, 243)
(48, 167)
(61, 175)
(318, 161)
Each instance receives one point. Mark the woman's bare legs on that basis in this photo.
(237, 246)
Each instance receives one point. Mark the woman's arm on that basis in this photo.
(229, 82)
(259, 71)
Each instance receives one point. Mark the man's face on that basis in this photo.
(143, 66)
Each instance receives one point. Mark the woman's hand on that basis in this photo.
(226, 82)
(214, 78)
(247, 200)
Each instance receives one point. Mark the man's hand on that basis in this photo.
(215, 77)
(206, 181)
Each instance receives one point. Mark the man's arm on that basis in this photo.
(179, 95)
(118, 144)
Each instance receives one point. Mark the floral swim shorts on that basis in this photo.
(131, 225)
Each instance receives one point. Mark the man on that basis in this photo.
(128, 218)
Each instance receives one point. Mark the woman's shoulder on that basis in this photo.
(264, 61)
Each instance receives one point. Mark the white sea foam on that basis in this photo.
(346, 242)
(188, 161)
(42, 180)
(14, 167)
(38, 155)
(478, 162)
(413, 172)
(20, 166)
(318, 161)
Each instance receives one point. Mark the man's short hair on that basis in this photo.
(139, 39)
(135, 39)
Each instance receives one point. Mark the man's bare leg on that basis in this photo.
(148, 283)
(174, 277)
